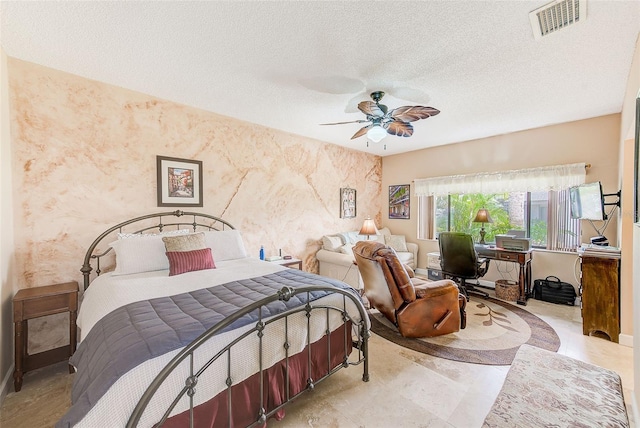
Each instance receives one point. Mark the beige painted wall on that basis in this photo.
(7, 270)
(84, 157)
(593, 141)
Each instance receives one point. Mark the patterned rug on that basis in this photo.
(495, 330)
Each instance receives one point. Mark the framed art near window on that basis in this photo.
(399, 201)
(179, 182)
(347, 202)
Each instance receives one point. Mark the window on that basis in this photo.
(544, 216)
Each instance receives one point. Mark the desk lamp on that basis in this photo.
(482, 217)
(368, 228)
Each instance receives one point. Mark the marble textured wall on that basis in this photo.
(84, 156)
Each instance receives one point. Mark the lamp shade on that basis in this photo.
(368, 227)
(376, 133)
(483, 216)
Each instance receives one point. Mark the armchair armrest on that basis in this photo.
(413, 247)
(483, 265)
(335, 258)
(409, 270)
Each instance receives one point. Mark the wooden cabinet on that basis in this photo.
(600, 290)
(37, 302)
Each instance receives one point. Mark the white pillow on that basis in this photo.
(146, 235)
(332, 243)
(225, 244)
(397, 242)
(354, 237)
(347, 249)
(142, 254)
(384, 231)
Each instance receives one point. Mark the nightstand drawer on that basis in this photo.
(40, 307)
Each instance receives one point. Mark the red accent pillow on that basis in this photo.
(188, 261)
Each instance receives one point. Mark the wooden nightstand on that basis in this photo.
(289, 263)
(35, 302)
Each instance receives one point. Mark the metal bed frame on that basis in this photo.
(358, 334)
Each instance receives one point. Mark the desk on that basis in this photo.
(523, 258)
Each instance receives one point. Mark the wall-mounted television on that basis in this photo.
(587, 201)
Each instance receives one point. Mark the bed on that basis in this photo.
(202, 336)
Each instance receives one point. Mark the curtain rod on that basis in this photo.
(586, 166)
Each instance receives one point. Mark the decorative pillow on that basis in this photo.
(397, 242)
(225, 244)
(347, 249)
(384, 231)
(332, 243)
(190, 242)
(189, 261)
(143, 254)
(146, 235)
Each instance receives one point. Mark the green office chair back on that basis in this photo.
(458, 256)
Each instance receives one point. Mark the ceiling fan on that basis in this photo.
(383, 121)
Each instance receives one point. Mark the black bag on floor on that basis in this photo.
(551, 289)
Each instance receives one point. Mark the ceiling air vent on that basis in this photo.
(556, 16)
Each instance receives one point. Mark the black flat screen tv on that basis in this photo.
(587, 201)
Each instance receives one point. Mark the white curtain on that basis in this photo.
(546, 178)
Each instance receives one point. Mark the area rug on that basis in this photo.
(495, 330)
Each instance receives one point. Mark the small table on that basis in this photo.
(36, 302)
(289, 263)
(523, 258)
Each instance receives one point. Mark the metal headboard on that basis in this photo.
(198, 220)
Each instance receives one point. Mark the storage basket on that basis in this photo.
(507, 290)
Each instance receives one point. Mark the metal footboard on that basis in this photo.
(358, 336)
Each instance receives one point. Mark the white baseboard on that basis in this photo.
(6, 384)
(625, 340)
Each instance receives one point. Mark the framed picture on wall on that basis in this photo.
(347, 202)
(179, 182)
(399, 201)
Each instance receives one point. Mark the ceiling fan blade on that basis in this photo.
(413, 113)
(399, 128)
(342, 123)
(371, 109)
(361, 131)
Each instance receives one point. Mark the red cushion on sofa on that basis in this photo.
(188, 261)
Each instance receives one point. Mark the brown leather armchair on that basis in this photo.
(417, 307)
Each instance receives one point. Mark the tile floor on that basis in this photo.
(407, 389)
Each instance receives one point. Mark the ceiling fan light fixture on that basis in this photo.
(376, 133)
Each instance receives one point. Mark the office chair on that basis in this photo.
(459, 260)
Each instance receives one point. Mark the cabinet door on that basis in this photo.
(600, 297)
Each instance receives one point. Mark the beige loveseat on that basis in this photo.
(336, 258)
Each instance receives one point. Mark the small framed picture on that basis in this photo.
(347, 202)
(399, 201)
(179, 182)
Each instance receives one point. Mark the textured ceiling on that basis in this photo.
(294, 65)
